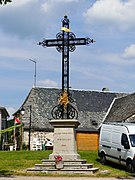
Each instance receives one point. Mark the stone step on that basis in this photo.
(65, 171)
(66, 166)
(79, 161)
(78, 166)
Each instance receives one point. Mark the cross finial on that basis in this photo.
(65, 20)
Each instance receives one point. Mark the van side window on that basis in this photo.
(124, 141)
(132, 139)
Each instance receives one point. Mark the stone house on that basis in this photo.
(122, 109)
(3, 125)
(92, 106)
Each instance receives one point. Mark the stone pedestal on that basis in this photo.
(64, 146)
(65, 139)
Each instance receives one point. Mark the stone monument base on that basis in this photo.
(65, 149)
(65, 139)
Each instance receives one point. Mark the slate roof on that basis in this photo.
(92, 107)
(122, 109)
(4, 110)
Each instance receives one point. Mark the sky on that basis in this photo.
(109, 62)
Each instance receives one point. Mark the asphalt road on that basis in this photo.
(56, 178)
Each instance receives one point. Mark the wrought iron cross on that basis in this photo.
(65, 41)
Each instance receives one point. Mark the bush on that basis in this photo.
(24, 146)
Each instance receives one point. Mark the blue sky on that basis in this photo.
(110, 62)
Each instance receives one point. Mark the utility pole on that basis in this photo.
(35, 75)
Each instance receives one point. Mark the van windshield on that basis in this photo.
(132, 140)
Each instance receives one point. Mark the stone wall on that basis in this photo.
(38, 139)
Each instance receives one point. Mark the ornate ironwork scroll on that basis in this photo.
(65, 42)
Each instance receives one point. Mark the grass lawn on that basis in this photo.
(16, 162)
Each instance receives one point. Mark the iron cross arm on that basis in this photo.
(60, 42)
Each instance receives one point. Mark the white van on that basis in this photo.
(117, 144)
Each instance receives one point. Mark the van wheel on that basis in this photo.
(130, 167)
(103, 159)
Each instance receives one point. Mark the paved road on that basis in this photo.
(57, 178)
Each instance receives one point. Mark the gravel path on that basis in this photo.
(53, 178)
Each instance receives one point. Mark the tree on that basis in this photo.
(3, 2)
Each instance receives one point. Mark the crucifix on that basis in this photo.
(65, 42)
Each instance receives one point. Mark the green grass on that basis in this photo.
(16, 162)
(109, 170)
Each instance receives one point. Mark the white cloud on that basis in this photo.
(66, 1)
(50, 5)
(129, 52)
(47, 83)
(16, 3)
(22, 18)
(46, 7)
(32, 19)
(54, 6)
(116, 13)
(14, 52)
